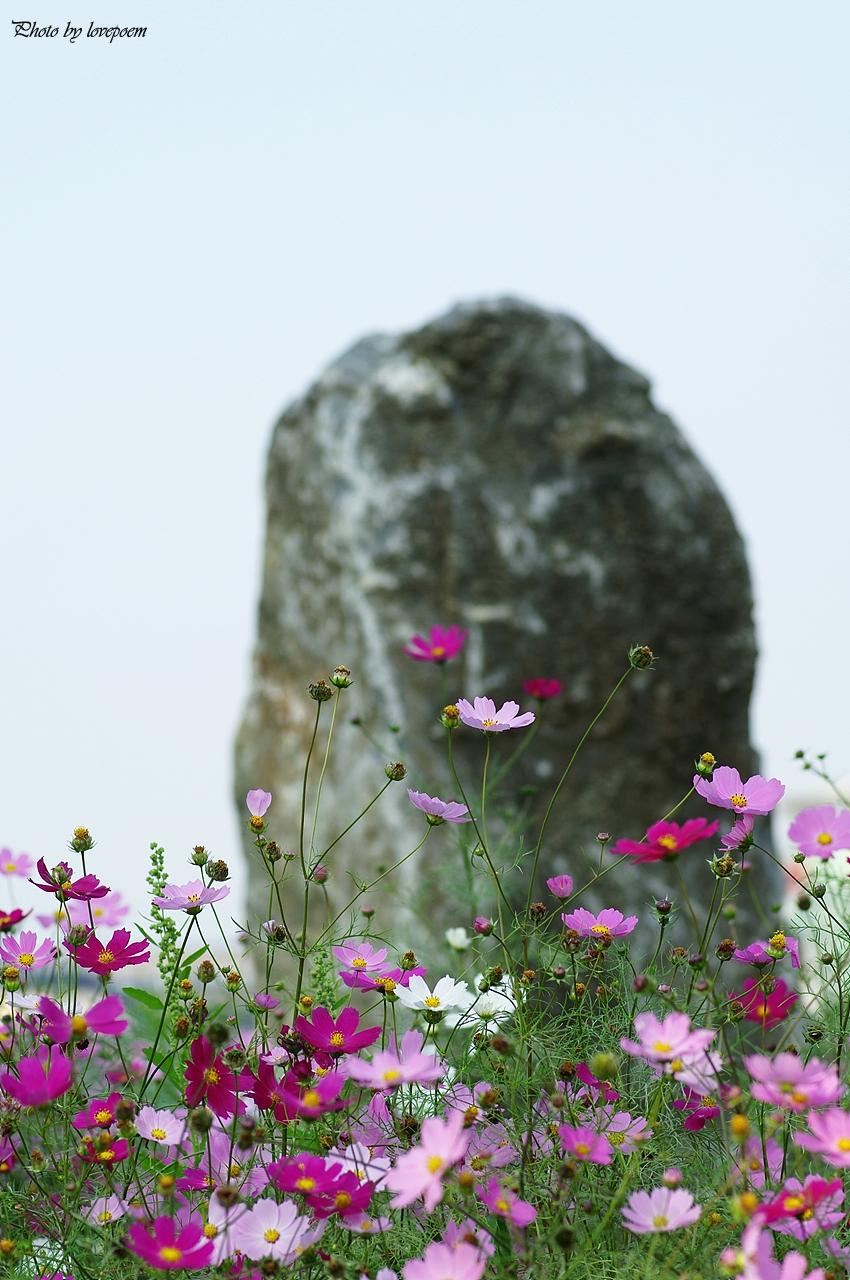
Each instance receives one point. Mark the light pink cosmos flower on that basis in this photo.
(469, 1232)
(440, 1262)
(482, 714)
(751, 1164)
(666, 1041)
(585, 1144)
(443, 644)
(760, 1264)
(360, 956)
(269, 1230)
(624, 1132)
(664, 1209)
(829, 1136)
(779, 945)
(258, 802)
(389, 1069)
(26, 952)
(109, 911)
(189, 897)
(159, 1126)
(725, 789)
(506, 1203)
(608, 924)
(560, 886)
(364, 1224)
(419, 1172)
(820, 831)
(741, 835)
(106, 1209)
(437, 811)
(787, 1081)
(15, 864)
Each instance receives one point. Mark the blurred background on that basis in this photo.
(194, 223)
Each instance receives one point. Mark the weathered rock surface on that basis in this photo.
(497, 468)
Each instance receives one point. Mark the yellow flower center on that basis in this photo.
(193, 897)
(106, 1155)
(582, 1149)
(616, 1139)
(169, 1254)
(211, 1075)
(10, 866)
(669, 841)
(434, 1164)
(159, 1134)
(358, 963)
(103, 1117)
(437, 651)
(676, 1064)
(502, 1206)
(659, 1220)
(601, 929)
(793, 1203)
(661, 1046)
(366, 1224)
(487, 723)
(79, 1025)
(391, 1075)
(26, 958)
(106, 957)
(210, 1230)
(342, 1200)
(312, 1098)
(388, 984)
(778, 940)
(738, 801)
(800, 1098)
(762, 1011)
(235, 1170)
(305, 1184)
(806, 1214)
(337, 1038)
(843, 1144)
(271, 1235)
(432, 1002)
(105, 1216)
(824, 838)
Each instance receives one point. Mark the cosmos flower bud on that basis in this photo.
(320, 691)
(77, 935)
(559, 973)
(705, 765)
(725, 949)
(450, 716)
(537, 911)
(395, 771)
(813, 1033)
(320, 873)
(306, 1003)
(217, 1034)
(664, 907)
(233, 981)
(818, 890)
(722, 866)
(218, 870)
(604, 1066)
(125, 1109)
(82, 840)
(672, 1178)
(199, 856)
(483, 925)
(11, 978)
(185, 990)
(640, 982)
(235, 1058)
(641, 657)
(273, 851)
(227, 1195)
(201, 1120)
(804, 902)
(341, 677)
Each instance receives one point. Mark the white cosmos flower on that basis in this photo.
(493, 1006)
(458, 939)
(447, 994)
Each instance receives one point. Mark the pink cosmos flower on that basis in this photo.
(560, 886)
(469, 1232)
(482, 714)
(810, 1206)
(770, 1009)
(96, 1153)
(442, 645)
(99, 1114)
(441, 1262)
(542, 689)
(664, 1209)
(172, 1246)
(106, 1209)
(437, 811)
(419, 1172)
(387, 981)
(345, 1195)
(208, 1078)
(105, 958)
(58, 880)
(608, 924)
(189, 897)
(335, 1037)
(108, 911)
(669, 1040)
(779, 945)
(8, 1158)
(39, 1080)
(12, 865)
(740, 837)
(625, 1132)
(360, 956)
(103, 1018)
(26, 952)
(760, 1264)
(258, 802)
(489, 1148)
(602, 1087)
(483, 925)
(506, 1203)
(751, 1161)
(160, 1126)
(701, 1108)
(269, 1230)
(364, 1224)
(304, 1174)
(666, 839)
(787, 1081)
(585, 1144)
(389, 1069)
(829, 1136)
(820, 831)
(725, 789)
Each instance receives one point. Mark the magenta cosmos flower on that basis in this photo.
(12, 865)
(446, 1262)
(542, 689)
(189, 897)
(585, 1144)
(787, 1081)
(208, 1078)
(58, 880)
(777, 946)
(103, 1018)
(419, 1172)
(99, 1114)
(770, 1009)
(666, 839)
(829, 1136)
(441, 646)
(26, 952)
(725, 789)
(336, 1037)
(740, 837)
(105, 958)
(802, 1208)
(39, 1080)
(311, 1100)
(258, 802)
(482, 714)
(437, 811)
(506, 1203)
(8, 919)
(819, 832)
(700, 1107)
(608, 924)
(166, 1245)
(560, 886)
(663, 1209)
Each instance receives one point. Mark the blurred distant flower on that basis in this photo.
(458, 939)
(767, 1008)
(820, 831)
(542, 689)
(15, 865)
(441, 646)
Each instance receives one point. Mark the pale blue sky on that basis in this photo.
(193, 224)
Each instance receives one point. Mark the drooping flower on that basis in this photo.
(159, 1126)
(821, 831)
(335, 1037)
(438, 811)
(585, 1144)
(189, 897)
(15, 865)
(258, 802)
(663, 1209)
(208, 1078)
(26, 952)
(58, 880)
(168, 1245)
(103, 1018)
(481, 713)
(740, 836)
(106, 958)
(442, 1262)
(829, 1136)
(39, 1080)
(767, 1009)
(8, 919)
(447, 995)
(389, 1069)
(788, 1081)
(506, 1203)
(725, 789)
(666, 839)
(610, 923)
(586, 1077)
(778, 945)
(802, 1208)
(469, 1232)
(700, 1108)
(542, 689)
(420, 1171)
(442, 645)
(560, 886)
